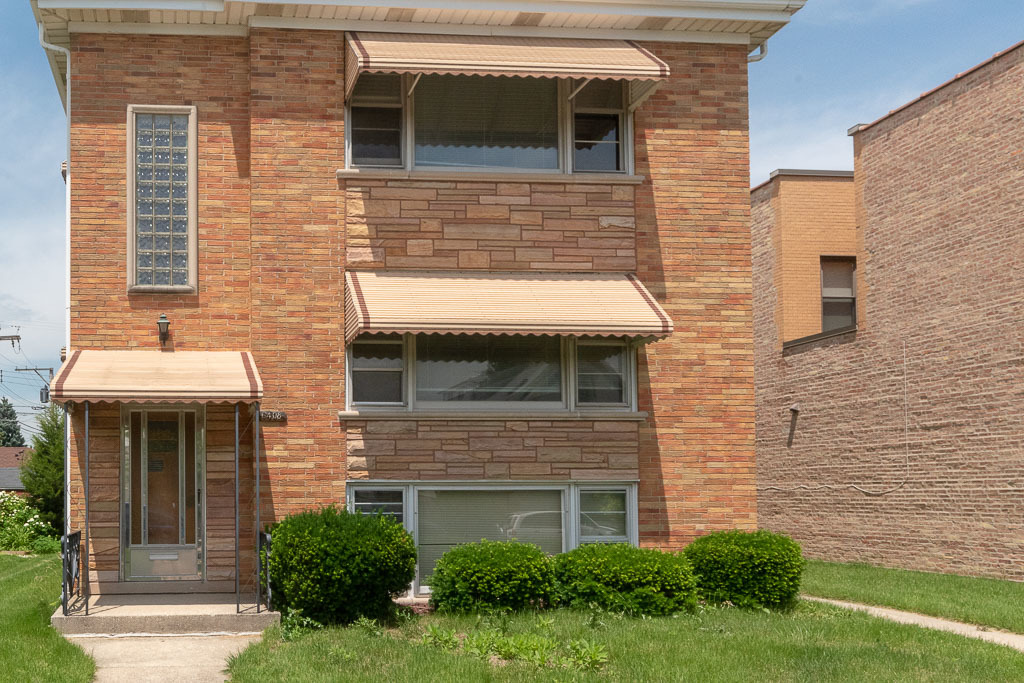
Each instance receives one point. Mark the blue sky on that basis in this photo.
(840, 62)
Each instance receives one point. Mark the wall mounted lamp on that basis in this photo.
(164, 326)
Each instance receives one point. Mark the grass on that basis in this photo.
(813, 642)
(986, 602)
(29, 649)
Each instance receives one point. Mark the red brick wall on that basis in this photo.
(693, 252)
(297, 131)
(940, 186)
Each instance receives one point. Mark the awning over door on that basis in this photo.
(581, 304)
(158, 376)
(418, 53)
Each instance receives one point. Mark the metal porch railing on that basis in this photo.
(71, 594)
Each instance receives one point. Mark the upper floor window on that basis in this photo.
(838, 293)
(162, 198)
(487, 123)
(490, 372)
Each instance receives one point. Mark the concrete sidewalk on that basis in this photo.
(162, 658)
(1014, 640)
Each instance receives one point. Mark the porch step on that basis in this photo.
(180, 613)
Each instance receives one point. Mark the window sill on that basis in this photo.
(499, 176)
(503, 415)
(161, 289)
(810, 339)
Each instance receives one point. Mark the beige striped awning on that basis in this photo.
(158, 376)
(420, 53)
(579, 304)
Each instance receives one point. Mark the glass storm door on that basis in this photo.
(162, 504)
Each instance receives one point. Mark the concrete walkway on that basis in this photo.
(1013, 640)
(162, 658)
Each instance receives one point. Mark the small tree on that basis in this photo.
(10, 432)
(43, 473)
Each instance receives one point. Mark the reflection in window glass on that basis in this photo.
(597, 142)
(448, 518)
(371, 501)
(601, 373)
(486, 368)
(486, 122)
(603, 516)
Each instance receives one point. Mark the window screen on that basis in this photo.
(601, 373)
(838, 293)
(448, 518)
(376, 120)
(378, 370)
(486, 122)
(161, 199)
(603, 516)
(488, 368)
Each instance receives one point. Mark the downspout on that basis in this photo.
(67, 264)
(761, 54)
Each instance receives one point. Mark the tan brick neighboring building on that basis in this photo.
(813, 222)
(906, 447)
(275, 181)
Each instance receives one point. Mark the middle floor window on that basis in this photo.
(486, 123)
(479, 372)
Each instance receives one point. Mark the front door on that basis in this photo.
(162, 526)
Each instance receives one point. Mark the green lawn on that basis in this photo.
(813, 642)
(29, 649)
(988, 602)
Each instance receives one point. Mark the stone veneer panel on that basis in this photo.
(503, 448)
(433, 225)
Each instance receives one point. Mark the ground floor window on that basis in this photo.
(556, 517)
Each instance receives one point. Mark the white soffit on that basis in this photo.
(742, 22)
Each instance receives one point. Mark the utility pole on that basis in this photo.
(11, 338)
(44, 391)
(36, 370)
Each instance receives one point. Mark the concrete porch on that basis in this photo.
(166, 613)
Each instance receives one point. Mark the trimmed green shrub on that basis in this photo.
(491, 575)
(333, 566)
(623, 578)
(747, 569)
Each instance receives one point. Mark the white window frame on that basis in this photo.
(193, 201)
(632, 525)
(570, 388)
(570, 506)
(566, 136)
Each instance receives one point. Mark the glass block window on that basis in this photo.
(162, 187)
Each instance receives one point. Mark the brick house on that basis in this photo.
(11, 460)
(888, 313)
(485, 270)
